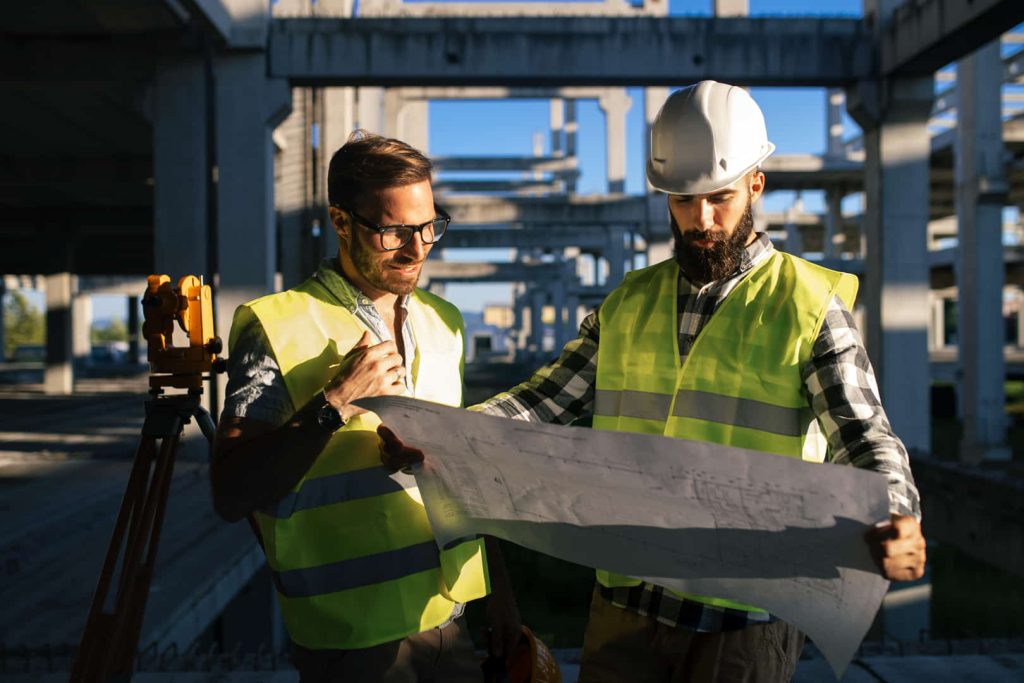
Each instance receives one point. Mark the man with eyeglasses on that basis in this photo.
(365, 593)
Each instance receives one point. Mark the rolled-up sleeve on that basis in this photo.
(256, 388)
(843, 393)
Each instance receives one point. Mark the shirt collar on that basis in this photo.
(348, 295)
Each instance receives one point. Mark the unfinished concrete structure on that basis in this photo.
(179, 150)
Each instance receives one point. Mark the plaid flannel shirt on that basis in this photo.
(839, 384)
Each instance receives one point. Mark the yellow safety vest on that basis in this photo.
(354, 558)
(740, 385)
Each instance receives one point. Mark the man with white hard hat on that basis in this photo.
(731, 342)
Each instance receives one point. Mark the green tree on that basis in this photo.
(116, 331)
(23, 323)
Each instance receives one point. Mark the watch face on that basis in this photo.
(329, 418)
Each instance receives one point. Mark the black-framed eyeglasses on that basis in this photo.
(394, 237)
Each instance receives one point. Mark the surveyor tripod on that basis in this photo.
(114, 625)
(112, 631)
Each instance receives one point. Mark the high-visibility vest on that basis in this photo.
(740, 385)
(353, 556)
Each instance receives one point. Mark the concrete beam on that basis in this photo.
(535, 51)
(112, 285)
(1013, 71)
(506, 163)
(546, 237)
(922, 36)
(555, 211)
(586, 8)
(1013, 131)
(482, 186)
(1015, 67)
(499, 93)
(444, 271)
(809, 171)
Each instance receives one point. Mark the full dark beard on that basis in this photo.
(377, 273)
(703, 265)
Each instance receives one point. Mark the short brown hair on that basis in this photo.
(369, 162)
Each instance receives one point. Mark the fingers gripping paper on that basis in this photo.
(759, 529)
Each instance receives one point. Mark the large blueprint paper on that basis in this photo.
(764, 530)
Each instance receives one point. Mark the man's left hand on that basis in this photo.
(394, 454)
(898, 548)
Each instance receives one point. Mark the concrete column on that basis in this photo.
(571, 128)
(980, 195)
(298, 246)
(414, 124)
(616, 255)
(615, 104)
(249, 107)
(538, 151)
(833, 223)
(134, 358)
(81, 324)
(58, 377)
(370, 109)
(558, 295)
(179, 167)
(894, 116)
(518, 320)
(572, 322)
(936, 341)
(538, 297)
(340, 105)
(1020, 321)
(557, 125)
(834, 102)
(654, 100)
(794, 237)
(316, 217)
(3, 327)
(392, 107)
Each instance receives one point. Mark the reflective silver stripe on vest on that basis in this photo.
(740, 412)
(339, 488)
(645, 405)
(359, 571)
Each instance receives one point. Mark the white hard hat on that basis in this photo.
(706, 137)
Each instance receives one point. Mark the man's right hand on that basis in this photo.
(366, 371)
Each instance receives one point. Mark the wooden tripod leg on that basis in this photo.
(139, 574)
(93, 654)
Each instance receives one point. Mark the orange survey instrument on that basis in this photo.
(111, 636)
(190, 305)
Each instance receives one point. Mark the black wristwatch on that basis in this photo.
(329, 418)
